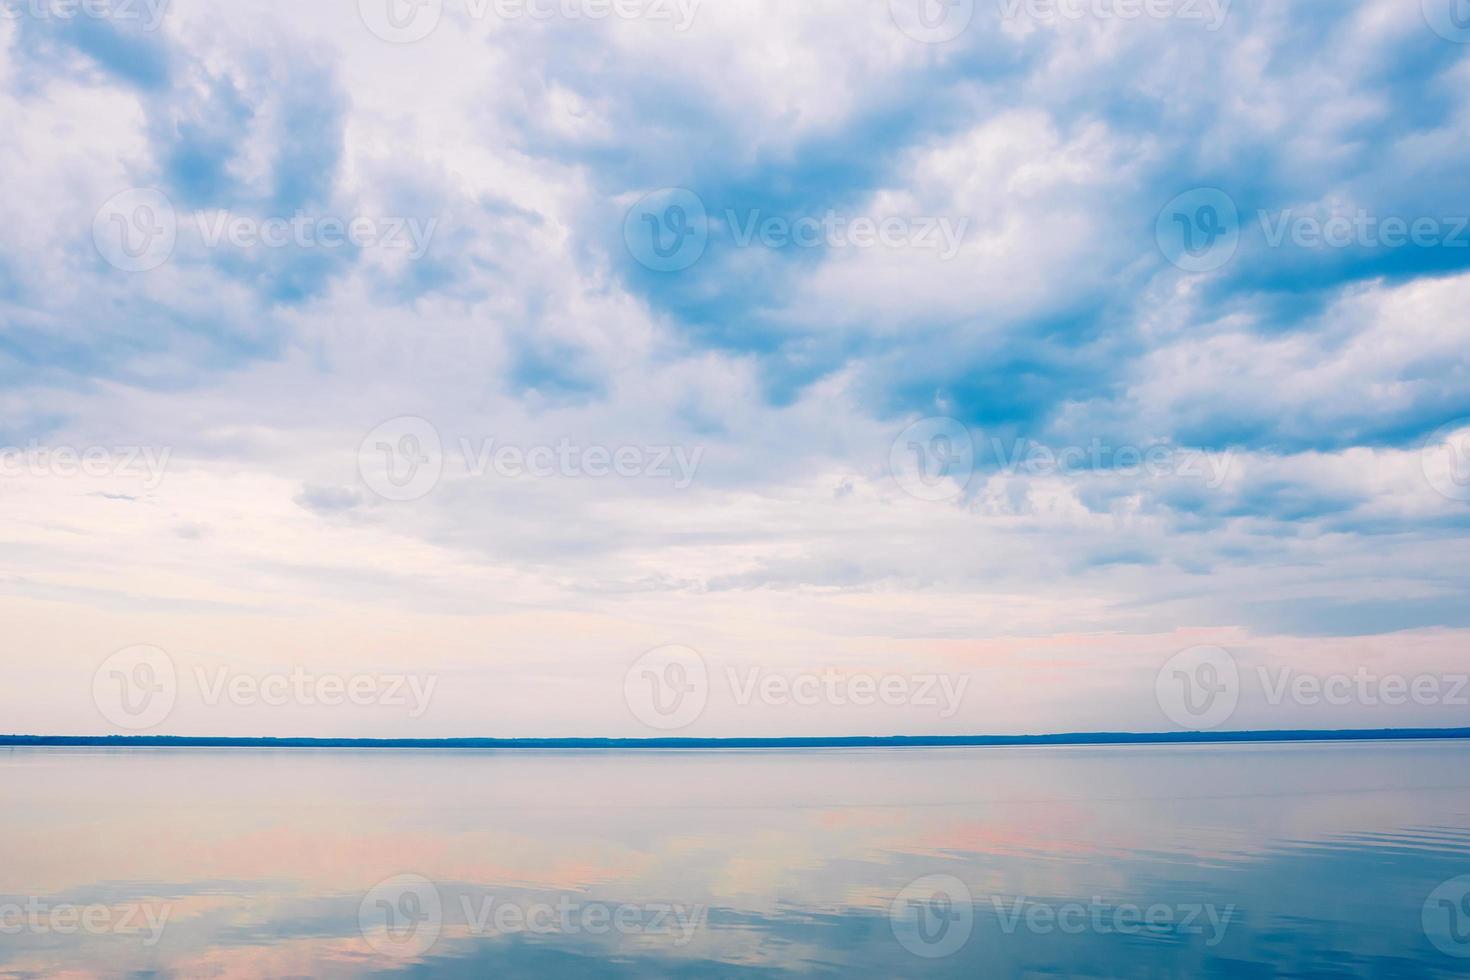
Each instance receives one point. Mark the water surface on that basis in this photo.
(1108, 861)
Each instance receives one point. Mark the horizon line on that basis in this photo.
(687, 742)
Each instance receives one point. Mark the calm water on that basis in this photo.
(1294, 860)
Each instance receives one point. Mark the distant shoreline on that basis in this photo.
(814, 742)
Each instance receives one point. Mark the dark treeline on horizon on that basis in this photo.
(815, 742)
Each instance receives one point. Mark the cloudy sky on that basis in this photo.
(992, 355)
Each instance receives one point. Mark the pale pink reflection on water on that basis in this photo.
(245, 863)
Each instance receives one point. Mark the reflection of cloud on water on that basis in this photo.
(263, 880)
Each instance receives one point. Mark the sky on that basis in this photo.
(730, 367)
